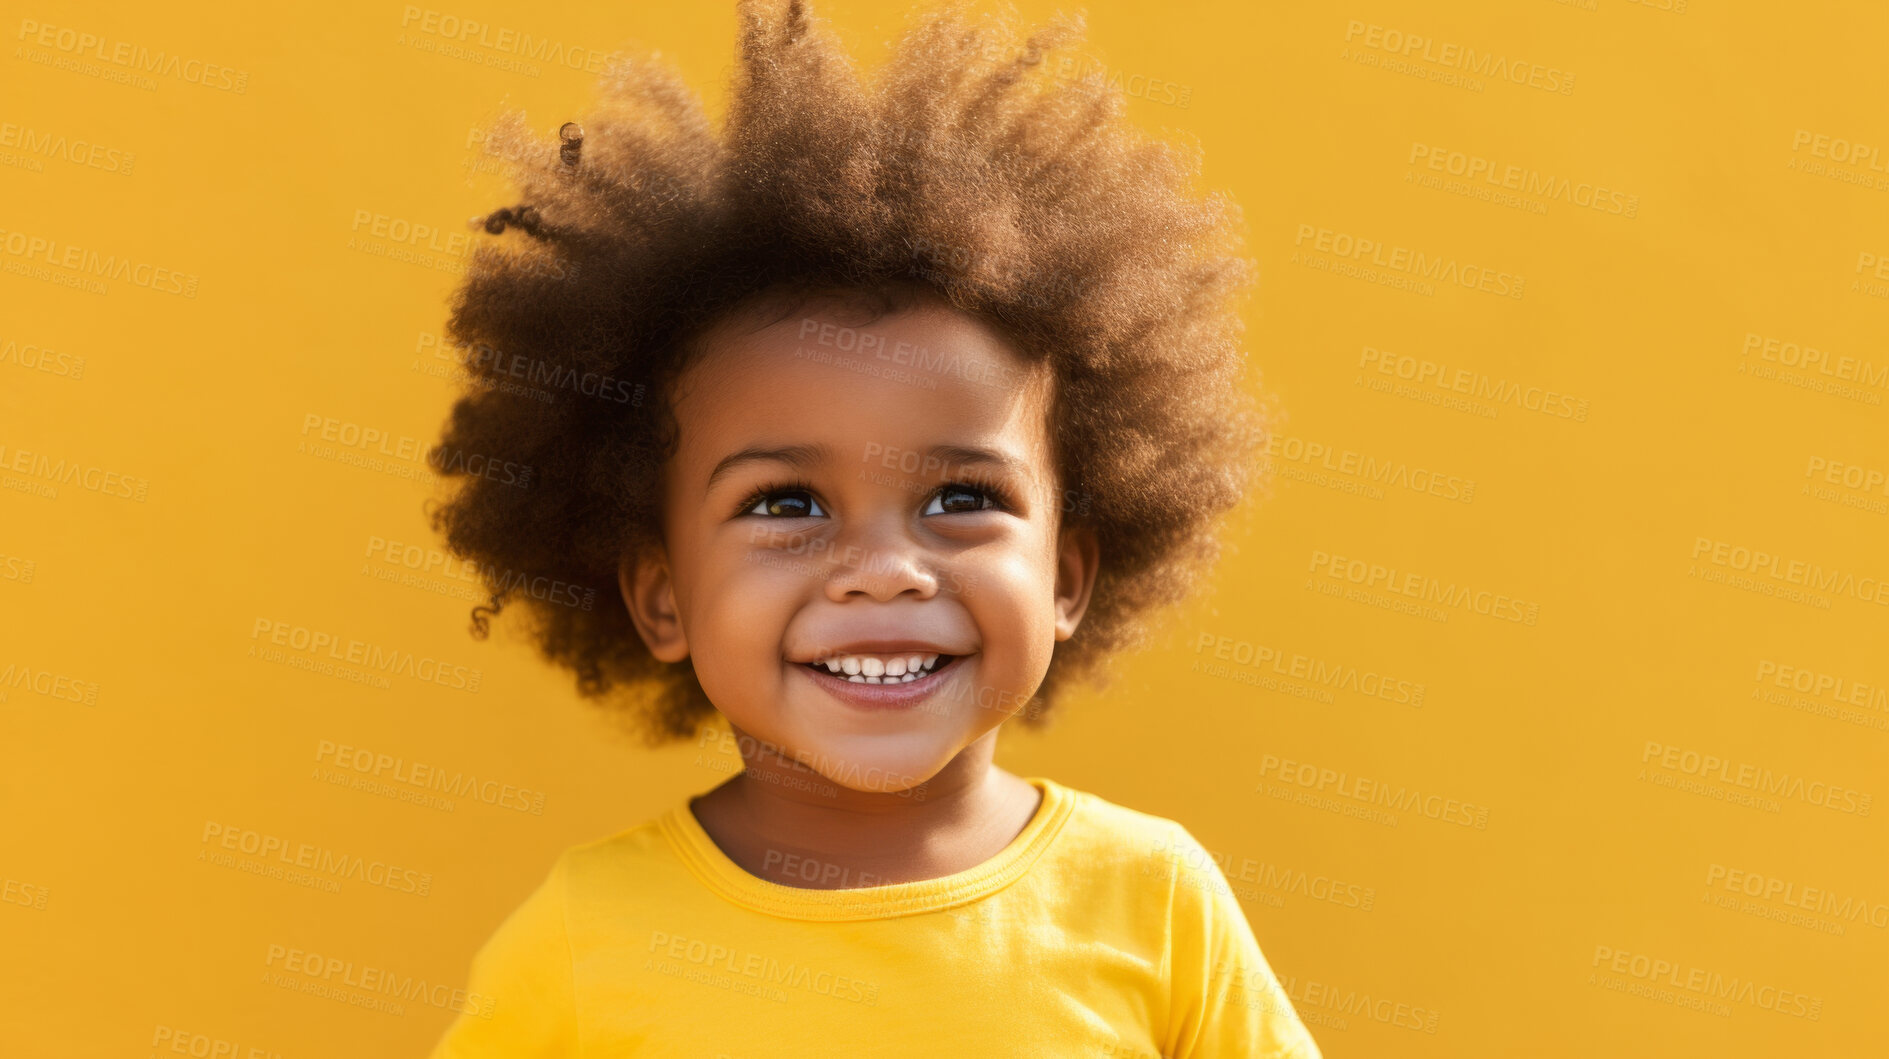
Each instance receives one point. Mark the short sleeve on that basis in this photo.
(1225, 1001)
(520, 1002)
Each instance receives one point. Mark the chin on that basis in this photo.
(876, 764)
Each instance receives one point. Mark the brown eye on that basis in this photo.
(957, 498)
(789, 503)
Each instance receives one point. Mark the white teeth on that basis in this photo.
(866, 669)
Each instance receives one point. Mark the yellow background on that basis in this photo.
(1730, 127)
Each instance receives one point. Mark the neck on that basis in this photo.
(784, 821)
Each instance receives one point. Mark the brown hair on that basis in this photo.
(971, 165)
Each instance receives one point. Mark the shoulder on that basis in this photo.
(633, 866)
(641, 842)
(1108, 832)
(612, 861)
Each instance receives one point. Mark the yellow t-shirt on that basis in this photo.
(1098, 931)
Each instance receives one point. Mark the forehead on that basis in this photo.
(912, 380)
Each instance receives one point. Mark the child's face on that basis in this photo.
(864, 496)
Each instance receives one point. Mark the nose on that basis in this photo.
(881, 562)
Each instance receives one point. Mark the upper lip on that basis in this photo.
(880, 647)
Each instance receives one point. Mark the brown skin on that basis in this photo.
(860, 551)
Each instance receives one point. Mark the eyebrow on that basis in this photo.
(794, 455)
(957, 455)
(805, 455)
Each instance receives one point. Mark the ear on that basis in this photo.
(649, 591)
(1078, 557)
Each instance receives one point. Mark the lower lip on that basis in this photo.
(898, 696)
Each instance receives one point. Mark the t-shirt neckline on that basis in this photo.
(722, 875)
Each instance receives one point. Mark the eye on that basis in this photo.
(786, 503)
(959, 497)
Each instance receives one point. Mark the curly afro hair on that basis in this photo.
(977, 165)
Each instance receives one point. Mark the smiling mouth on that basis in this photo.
(875, 669)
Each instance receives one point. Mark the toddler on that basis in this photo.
(914, 396)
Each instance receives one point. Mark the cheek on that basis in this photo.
(735, 613)
(1012, 600)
